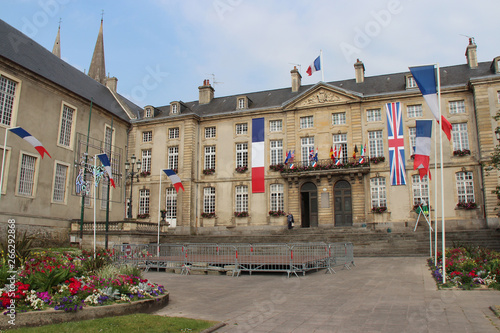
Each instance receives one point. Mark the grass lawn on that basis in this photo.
(122, 324)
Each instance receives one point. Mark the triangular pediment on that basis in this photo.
(322, 94)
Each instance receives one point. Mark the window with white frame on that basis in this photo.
(306, 122)
(241, 154)
(147, 136)
(27, 175)
(460, 136)
(173, 157)
(5, 169)
(108, 139)
(465, 187)
(241, 129)
(376, 143)
(410, 82)
(373, 115)
(209, 200)
(457, 107)
(241, 103)
(173, 133)
(241, 200)
(277, 197)
(412, 134)
(60, 181)
(7, 97)
(414, 111)
(174, 108)
(338, 118)
(143, 201)
(146, 160)
(147, 113)
(306, 145)
(276, 125)
(210, 132)
(378, 192)
(171, 203)
(420, 189)
(340, 143)
(276, 152)
(65, 132)
(209, 157)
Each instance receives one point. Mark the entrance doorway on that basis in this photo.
(309, 205)
(343, 204)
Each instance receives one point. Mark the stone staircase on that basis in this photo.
(367, 243)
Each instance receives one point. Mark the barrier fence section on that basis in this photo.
(291, 258)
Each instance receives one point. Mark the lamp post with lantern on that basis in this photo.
(129, 167)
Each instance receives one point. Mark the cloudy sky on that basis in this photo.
(162, 50)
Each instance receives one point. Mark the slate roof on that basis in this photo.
(458, 75)
(22, 50)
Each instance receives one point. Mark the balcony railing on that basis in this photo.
(326, 165)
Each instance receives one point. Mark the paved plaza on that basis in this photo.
(378, 295)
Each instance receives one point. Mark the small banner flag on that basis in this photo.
(258, 185)
(107, 166)
(423, 129)
(332, 157)
(396, 144)
(174, 178)
(22, 133)
(426, 81)
(315, 66)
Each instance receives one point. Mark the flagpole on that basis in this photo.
(3, 161)
(322, 68)
(95, 195)
(443, 232)
(436, 128)
(109, 186)
(159, 211)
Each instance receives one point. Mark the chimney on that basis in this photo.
(359, 70)
(471, 54)
(296, 79)
(206, 92)
(112, 83)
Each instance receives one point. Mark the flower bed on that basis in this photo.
(68, 282)
(468, 267)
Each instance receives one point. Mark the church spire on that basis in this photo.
(97, 69)
(56, 50)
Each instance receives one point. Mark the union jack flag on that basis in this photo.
(396, 143)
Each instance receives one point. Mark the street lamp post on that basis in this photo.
(130, 166)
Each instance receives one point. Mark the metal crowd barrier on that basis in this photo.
(290, 258)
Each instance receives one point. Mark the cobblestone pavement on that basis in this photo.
(378, 295)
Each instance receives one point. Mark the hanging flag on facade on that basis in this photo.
(258, 185)
(423, 129)
(107, 166)
(288, 156)
(22, 133)
(426, 81)
(362, 158)
(332, 157)
(355, 151)
(396, 144)
(174, 178)
(314, 67)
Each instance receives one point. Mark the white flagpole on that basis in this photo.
(436, 128)
(159, 217)
(442, 177)
(321, 64)
(3, 161)
(95, 195)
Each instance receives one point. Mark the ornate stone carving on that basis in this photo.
(320, 97)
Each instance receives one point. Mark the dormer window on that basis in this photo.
(148, 113)
(174, 109)
(410, 82)
(241, 103)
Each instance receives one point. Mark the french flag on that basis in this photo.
(107, 166)
(21, 132)
(315, 66)
(426, 81)
(258, 155)
(423, 129)
(174, 178)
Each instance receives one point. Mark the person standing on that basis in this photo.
(290, 220)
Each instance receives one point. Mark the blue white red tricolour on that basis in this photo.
(107, 166)
(315, 66)
(174, 178)
(258, 185)
(396, 144)
(426, 81)
(21, 132)
(423, 129)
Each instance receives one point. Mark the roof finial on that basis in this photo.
(102, 15)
